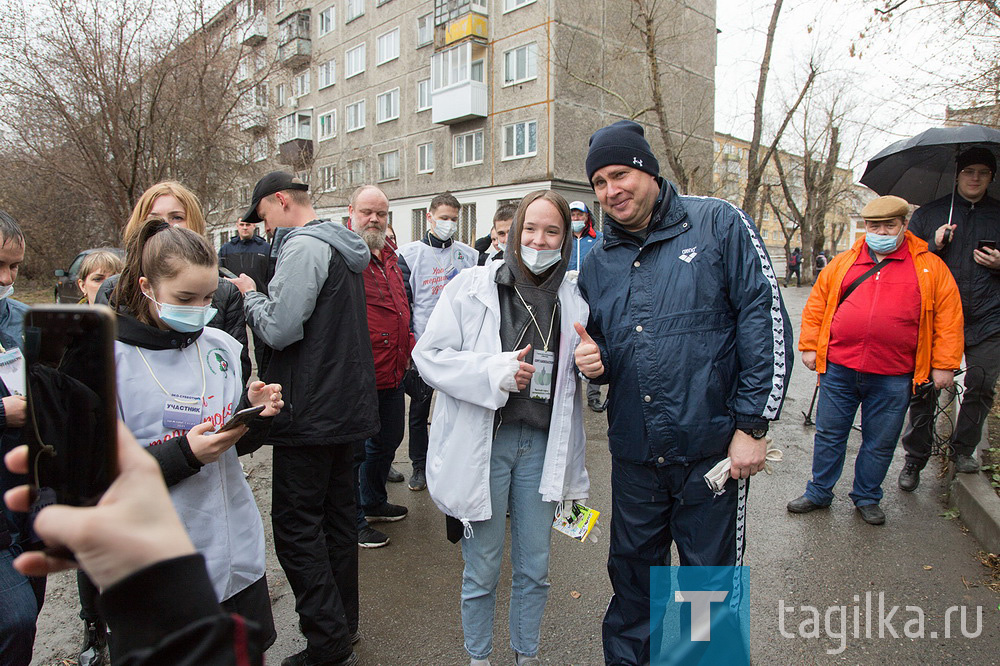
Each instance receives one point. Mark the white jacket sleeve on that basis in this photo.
(445, 362)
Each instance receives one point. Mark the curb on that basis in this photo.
(978, 505)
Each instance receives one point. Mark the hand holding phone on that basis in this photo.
(241, 418)
(983, 244)
(208, 446)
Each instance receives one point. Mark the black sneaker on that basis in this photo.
(909, 478)
(966, 464)
(417, 480)
(369, 537)
(355, 637)
(804, 505)
(395, 476)
(872, 514)
(387, 513)
(303, 659)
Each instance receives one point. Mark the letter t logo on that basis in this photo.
(701, 610)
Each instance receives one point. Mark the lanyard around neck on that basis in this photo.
(552, 323)
(168, 393)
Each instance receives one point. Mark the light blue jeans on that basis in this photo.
(515, 471)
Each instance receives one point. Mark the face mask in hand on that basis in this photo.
(444, 229)
(184, 318)
(539, 261)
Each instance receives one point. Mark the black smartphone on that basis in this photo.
(71, 428)
(227, 273)
(992, 244)
(241, 418)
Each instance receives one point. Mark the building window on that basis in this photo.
(425, 30)
(328, 178)
(454, 66)
(387, 47)
(388, 165)
(467, 224)
(327, 20)
(279, 94)
(279, 6)
(423, 95)
(418, 223)
(327, 73)
(328, 125)
(355, 172)
(356, 116)
(355, 61)
(468, 148)
(763, 234)
(295, 126)
(520, 64)
(511, 5)
(425, 158)
(387, 106)
(355, 8)
(520, 140)
(259, 149)
(260, 95)
(303, 83)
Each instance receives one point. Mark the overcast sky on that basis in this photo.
(892, 84)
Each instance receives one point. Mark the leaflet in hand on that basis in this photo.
(577, 522)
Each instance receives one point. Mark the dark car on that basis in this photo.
(66, 290)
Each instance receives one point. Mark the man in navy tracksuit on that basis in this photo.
(688, 327)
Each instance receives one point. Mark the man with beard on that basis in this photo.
(392, 340)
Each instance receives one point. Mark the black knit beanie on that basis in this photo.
(978, 155)
(621, 143)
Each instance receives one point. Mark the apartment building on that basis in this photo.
(487, 99)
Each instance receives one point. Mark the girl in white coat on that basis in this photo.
(508, 424)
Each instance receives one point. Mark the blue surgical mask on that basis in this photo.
(184, 318)
(6, 292)
(881, 244)
(578, 225)
(539, 261)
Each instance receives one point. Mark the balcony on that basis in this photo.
(253, 117)
(296, 53)
(459, 102)
(295, 144)
(448, 10)
(254, 31)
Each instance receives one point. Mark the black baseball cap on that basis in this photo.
(276, 181)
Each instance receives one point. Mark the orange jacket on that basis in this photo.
(940, 341)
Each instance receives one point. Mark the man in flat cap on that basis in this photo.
(964, 230)
(688, 328)
(883, 320)
(314, 317)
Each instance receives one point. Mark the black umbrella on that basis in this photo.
(922, 168)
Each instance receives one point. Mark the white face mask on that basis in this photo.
(444, 229)
(578, 225)
(502, 247)
(539, 261)
(7, 292)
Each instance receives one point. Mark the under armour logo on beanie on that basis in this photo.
(621, 143)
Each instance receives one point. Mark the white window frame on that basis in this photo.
(351, 181)
(387, 47)
(325, 175)
(425, 157)
(280, 94)
(511, 5)
(382, 163)
(326, 74)
(461, 138)
(510, 64)
(353, 10)
(426, 84)
(355, 110)
(352, 54)
(326, 125)
(327, 20)
(303, 82)
(279, 6)
(427, 37)
(508, 149)
(390, 97)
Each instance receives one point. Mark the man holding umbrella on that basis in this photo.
(963, 228)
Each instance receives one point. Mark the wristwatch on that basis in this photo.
(756, 433)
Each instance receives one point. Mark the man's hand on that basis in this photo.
(746, 454)
(259, 393)
(939, 234)
(809, 360)
(16, 409)
(524, 371)
(988, 257)
(244, 283)
(942, 378)
(133, 526)
(588, 354)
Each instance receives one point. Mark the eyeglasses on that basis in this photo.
(982, 173)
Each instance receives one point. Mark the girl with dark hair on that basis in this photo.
(178, 381)
(508, 425)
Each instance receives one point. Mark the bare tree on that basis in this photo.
(103, 101)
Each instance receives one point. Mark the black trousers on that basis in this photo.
(420, 411)
(316, 539)
(982, 362)
(254, 604)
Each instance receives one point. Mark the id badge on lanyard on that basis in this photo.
(541, 381)
(12, 371)
(182, 412)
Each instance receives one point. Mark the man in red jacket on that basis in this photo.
(392, 341)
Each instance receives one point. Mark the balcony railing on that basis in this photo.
(254, 31)
(462, 101)
(295, 53)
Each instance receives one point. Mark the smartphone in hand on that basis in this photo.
(241, 418)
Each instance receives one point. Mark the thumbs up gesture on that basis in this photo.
(525, 370)
(588, 355)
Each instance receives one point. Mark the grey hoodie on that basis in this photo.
(303, 261)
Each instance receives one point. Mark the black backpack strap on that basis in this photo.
(854, 285)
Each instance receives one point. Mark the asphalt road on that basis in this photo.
(920, 559)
